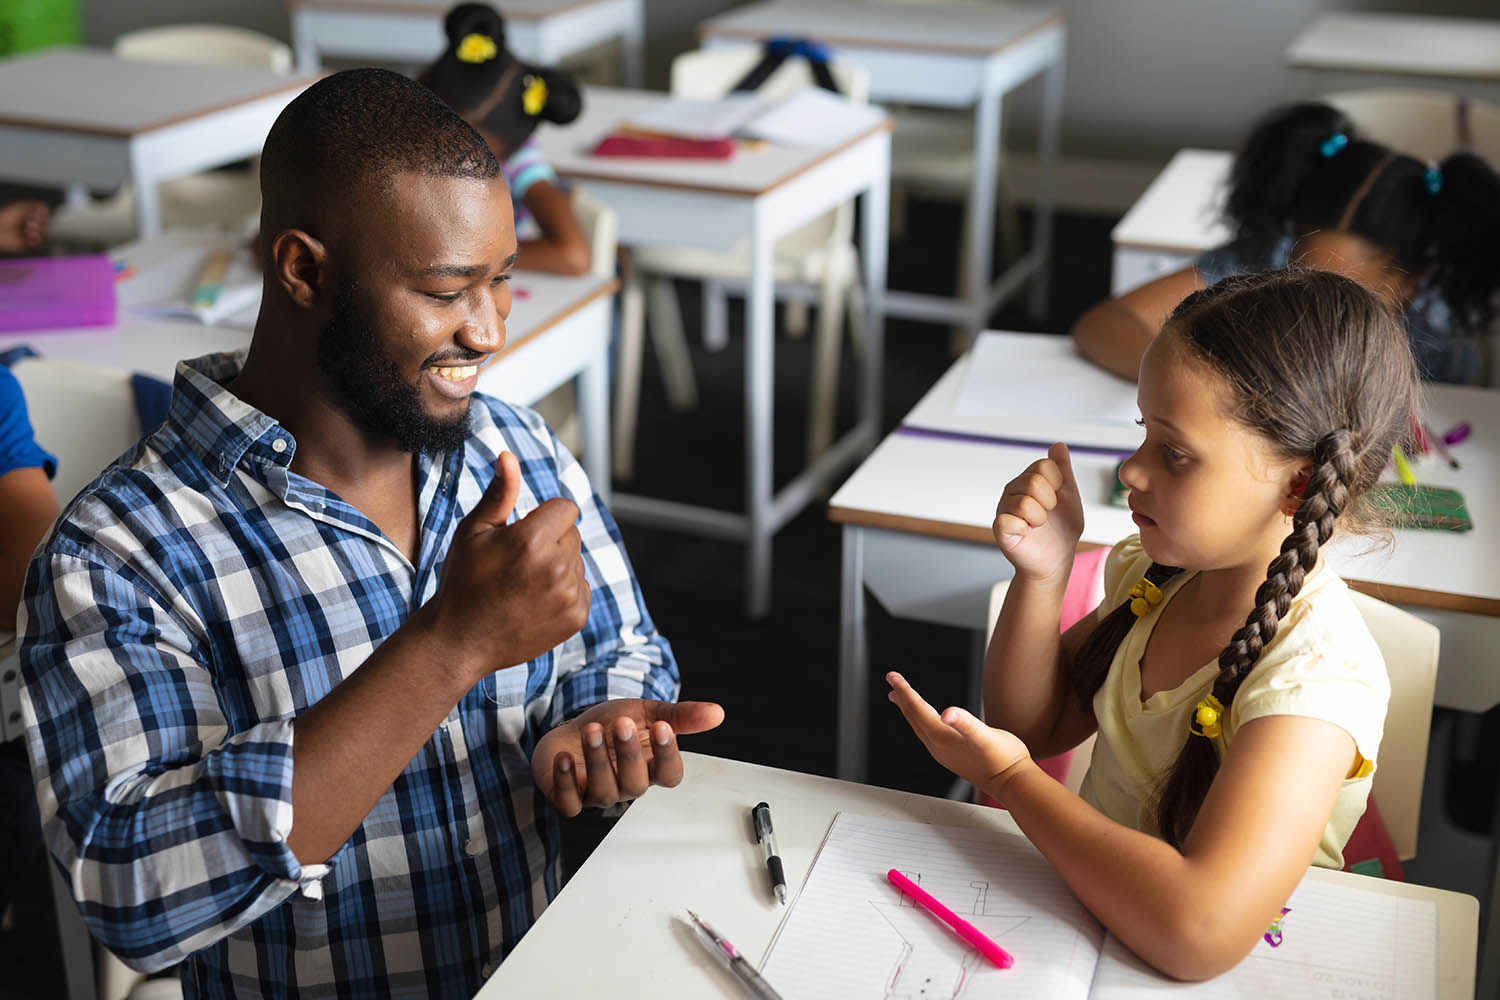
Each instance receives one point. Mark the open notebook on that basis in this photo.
(850, 935)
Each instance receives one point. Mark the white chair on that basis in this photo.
(1421, 123)
(1410, 649)
(816, 262)
(227, 198)
(85, 415)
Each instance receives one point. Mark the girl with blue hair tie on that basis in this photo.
(1307, 189)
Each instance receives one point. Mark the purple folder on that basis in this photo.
(41, 293)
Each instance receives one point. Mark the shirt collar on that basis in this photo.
(219, 426)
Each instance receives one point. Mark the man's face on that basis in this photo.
(421, 301)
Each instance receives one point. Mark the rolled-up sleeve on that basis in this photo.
(171, 831)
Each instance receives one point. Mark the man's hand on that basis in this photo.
(616, 750)
(510, 592)
(978, 753)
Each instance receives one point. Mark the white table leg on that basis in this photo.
(1046, 188)
(305, 44)
(632, 46)
(981, 207)
(874, 218)
(854, 665)
(146, 186)
(760, 343)
(593, 416)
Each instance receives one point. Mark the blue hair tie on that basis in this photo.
(1434, 180)
(1333, 144)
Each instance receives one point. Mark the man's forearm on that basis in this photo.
(349, 748)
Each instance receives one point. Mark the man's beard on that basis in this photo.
(371, 387)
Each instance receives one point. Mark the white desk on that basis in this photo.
(1175, 220)
(1352, 50)
(949, 56)
(715, 204)
(558, 330)
(411, 31)
(692, 846)
(83, 117)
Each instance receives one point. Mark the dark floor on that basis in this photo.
(775, 678)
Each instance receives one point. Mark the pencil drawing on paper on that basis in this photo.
(931, 962)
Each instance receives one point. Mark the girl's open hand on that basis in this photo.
(1040, 516)
(970, 749)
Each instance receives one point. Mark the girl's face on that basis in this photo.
(1206, 492)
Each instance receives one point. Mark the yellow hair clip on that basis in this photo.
(1208, 718)
(476, 48)
(1144, 596)
(534, 97)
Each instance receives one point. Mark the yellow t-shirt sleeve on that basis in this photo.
(1343, 686)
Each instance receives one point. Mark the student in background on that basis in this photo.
(1306, 189)
(23, 226)
(1238, 697)
(27, 509)
(505, 100)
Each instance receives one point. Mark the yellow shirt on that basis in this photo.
(1322, 663)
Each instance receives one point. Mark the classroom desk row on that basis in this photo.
(693, 847)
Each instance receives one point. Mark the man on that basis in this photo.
(305, 669)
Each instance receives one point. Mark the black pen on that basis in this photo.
(761, 815)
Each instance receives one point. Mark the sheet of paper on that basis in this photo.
(691, 119)
(851, 935)
(1331, 943)
(812, 117)
(166, 272)
(1035, 387)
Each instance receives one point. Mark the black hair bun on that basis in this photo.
(474, 18)
(564, 101)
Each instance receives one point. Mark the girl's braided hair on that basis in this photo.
(1320, 369)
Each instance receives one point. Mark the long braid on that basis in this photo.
(1327, 492)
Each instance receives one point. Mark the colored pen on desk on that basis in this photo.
(211, 278)
(731, 957)
(761, 816)
(1441, 448)
(1403, 467)
(961, 927)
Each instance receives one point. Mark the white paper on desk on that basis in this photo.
(163, 285)
(695, 119)
(1035, 387)
(1336, 942)
(851, 934)
(812, 117)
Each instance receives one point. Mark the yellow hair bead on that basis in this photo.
(1144, 596)
(534, 97)
(476, 48)
(1208, 718)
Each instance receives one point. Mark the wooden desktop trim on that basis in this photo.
(572, 173)
(116, 132)
(605, 289)
(424, 10)
(1054, 21)
(1388, 592)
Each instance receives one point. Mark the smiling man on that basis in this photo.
(310, 672)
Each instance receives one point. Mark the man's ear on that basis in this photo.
(1296, 487)
(297, 263)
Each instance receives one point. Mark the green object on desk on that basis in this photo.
(1412, 505)
(1119, 494)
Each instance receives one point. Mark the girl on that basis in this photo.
(505, 100)
(1307, 189)
(1239, 708)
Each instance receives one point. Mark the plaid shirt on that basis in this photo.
(196, 599)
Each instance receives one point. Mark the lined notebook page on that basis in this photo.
(1335, 942)
(851, 934)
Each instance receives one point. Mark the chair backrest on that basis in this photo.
(82, 413)
(708, 73)
(1410, 648)
(601, 226)
(1421, 123)
(205, 44)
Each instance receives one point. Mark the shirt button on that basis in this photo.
(487, 970)
(279, 445)
(473, 848)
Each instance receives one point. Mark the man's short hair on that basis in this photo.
(353, 128)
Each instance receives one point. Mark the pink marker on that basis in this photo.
(961, 927)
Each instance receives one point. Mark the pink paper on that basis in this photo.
(42, 293)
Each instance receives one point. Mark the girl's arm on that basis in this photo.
(1193, 913)
(562, 247)
(1114, 333)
